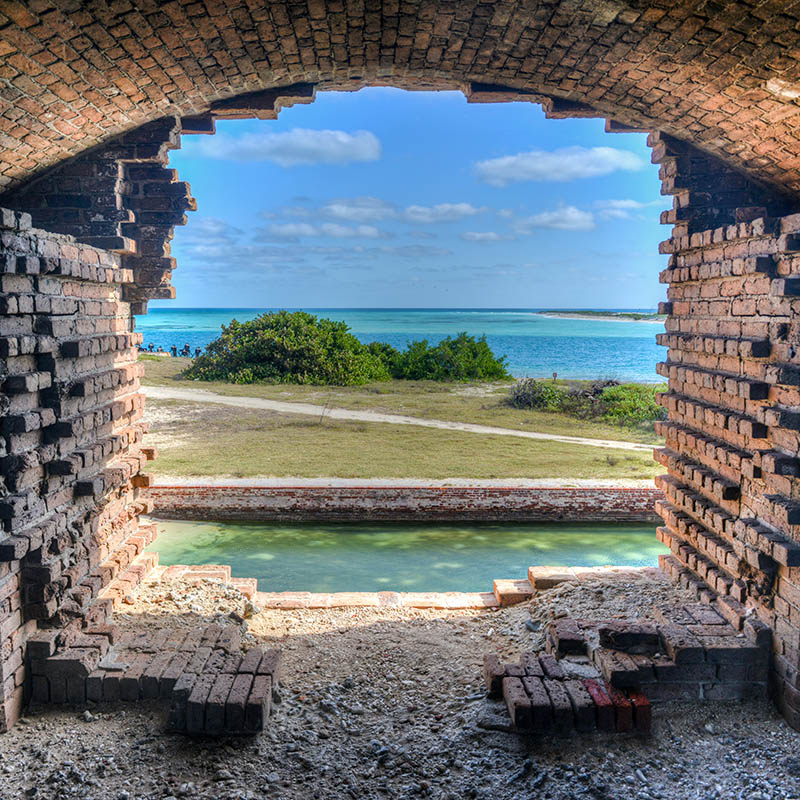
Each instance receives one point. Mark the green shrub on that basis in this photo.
(386, 353)
(631, 403)
(297, 347)
(463, 358)
(532, 394)
(284, 347)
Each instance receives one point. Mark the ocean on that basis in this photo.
(534, 345)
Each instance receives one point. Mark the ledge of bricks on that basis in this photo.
(203, 572)
(505, 592)
(211, 685)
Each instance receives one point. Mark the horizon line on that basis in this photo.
(399, 308)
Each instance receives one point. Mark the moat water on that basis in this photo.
(337, 557)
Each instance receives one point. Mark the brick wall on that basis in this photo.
(70, 449)
(592, 504)
(731, 509)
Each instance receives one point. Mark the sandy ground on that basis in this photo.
(202, 396)
(388, 703)
(599, 317)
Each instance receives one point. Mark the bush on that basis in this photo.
(625, 404)
(297, 347)
(463, 358)
(284, 347)
(631, 403)
(533, 394)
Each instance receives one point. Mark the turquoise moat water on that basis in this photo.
(535, 345)
(338, 557)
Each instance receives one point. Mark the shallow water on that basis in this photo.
(534, 344)
(338, 557)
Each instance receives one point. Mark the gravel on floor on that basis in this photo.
(388, 703)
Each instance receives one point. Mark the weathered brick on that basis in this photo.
(518, 703)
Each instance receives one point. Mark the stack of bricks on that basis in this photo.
(211, 686)
(604, 675)
(546, 696)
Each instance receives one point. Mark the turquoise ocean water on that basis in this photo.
(534, 344)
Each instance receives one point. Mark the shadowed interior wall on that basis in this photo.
(70, 453)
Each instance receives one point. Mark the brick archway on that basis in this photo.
(92, 101)
(725, 79)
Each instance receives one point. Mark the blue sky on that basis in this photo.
(385, 198)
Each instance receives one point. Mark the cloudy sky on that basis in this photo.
(384, 198)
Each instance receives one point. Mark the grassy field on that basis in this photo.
(204, 439)
(477, 403)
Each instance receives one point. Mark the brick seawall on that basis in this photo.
(584, 504)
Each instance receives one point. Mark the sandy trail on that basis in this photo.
(202, 396)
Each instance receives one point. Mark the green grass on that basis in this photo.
(204, 439)
(479, 403)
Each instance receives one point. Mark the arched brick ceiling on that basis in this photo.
(725, 75)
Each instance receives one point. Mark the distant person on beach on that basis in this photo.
(197, 352)
(150, 347)
(173, 351)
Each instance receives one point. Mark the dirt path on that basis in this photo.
(202, 396)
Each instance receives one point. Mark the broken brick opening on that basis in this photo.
(85, 244)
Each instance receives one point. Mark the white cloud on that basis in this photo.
(359, 253)
(483, 236)
(345, 232)
(506, 213)
(209, 230)
(299, 146)
(624, 204)
(410, 251)
(242, 259)
(564, 218)
(563, 164)
(293, 231)
(443, 212)
(359, 209)
(622, 209)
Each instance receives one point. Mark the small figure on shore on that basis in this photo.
(150, 347)
(173, 351)
(197, 352)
